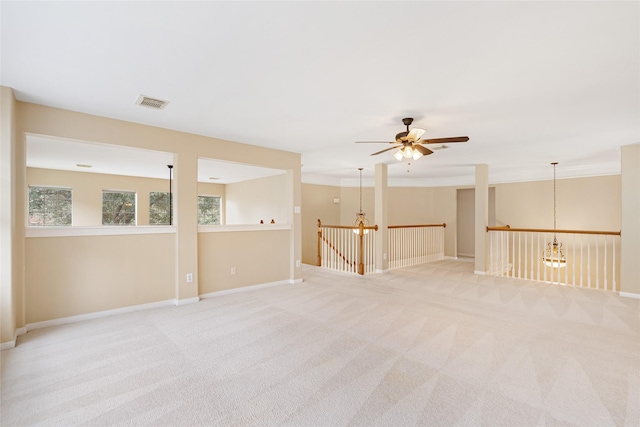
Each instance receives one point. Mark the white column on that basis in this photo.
(8, 294)
(630, 236)
(481, 219)
(381, 216)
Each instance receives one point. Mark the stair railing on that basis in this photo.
(350, 249)
(592, 257)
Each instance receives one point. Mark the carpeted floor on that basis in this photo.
(427, 345)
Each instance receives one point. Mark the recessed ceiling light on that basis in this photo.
(80, 165)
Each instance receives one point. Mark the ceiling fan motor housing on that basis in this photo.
(402, 136)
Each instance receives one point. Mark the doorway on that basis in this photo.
(466, 212)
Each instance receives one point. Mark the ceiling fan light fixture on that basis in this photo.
(398, 155)
(416, 154)
(407, 152)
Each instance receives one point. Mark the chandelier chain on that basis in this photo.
(360, 169)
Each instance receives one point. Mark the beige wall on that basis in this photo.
(258, 257)
(317, 204)
(248, 202)
(68, 276)
(186, 149)
(350, 204)
(582, 203)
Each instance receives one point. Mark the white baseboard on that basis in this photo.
(629, 295)
(450, 257)
(382, 271)
(480, 273)
(99, 314)
(186, 301)
(248, 288)
(295, 281)
(7, 345)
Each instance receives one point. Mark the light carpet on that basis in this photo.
(428, 345)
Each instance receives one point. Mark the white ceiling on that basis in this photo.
(528, 82)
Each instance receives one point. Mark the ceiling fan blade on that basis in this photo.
(386, 149)
(415, 134)
(423, 150)
(445, 140)
(376, 142)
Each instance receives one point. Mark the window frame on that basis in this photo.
(49, 187)
(169, 196)
(134, 222)
(220, 211)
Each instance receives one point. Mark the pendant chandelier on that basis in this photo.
(361, 216)
(554, 255)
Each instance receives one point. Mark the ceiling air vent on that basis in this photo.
(156, 104)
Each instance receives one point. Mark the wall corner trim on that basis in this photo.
(11, 344)
(7, 345)
(629, 295)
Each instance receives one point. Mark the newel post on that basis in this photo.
(361, 250)
(319, 262)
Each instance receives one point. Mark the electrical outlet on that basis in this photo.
(233, 271)
(297, 263)
(189, 277)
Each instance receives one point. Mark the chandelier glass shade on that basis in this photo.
(554, 254)
(407, 152)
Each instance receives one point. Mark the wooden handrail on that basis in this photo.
(350, 227)
(549, 230)
(420, 225)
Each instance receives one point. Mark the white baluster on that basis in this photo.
(614, 267)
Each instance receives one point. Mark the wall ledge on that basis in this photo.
(242, 227)
(106, 230)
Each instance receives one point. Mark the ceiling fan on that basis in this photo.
(409, 144)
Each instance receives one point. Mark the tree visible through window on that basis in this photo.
(209, 210)
(159, 208)
(118, 208)
(49, 206)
